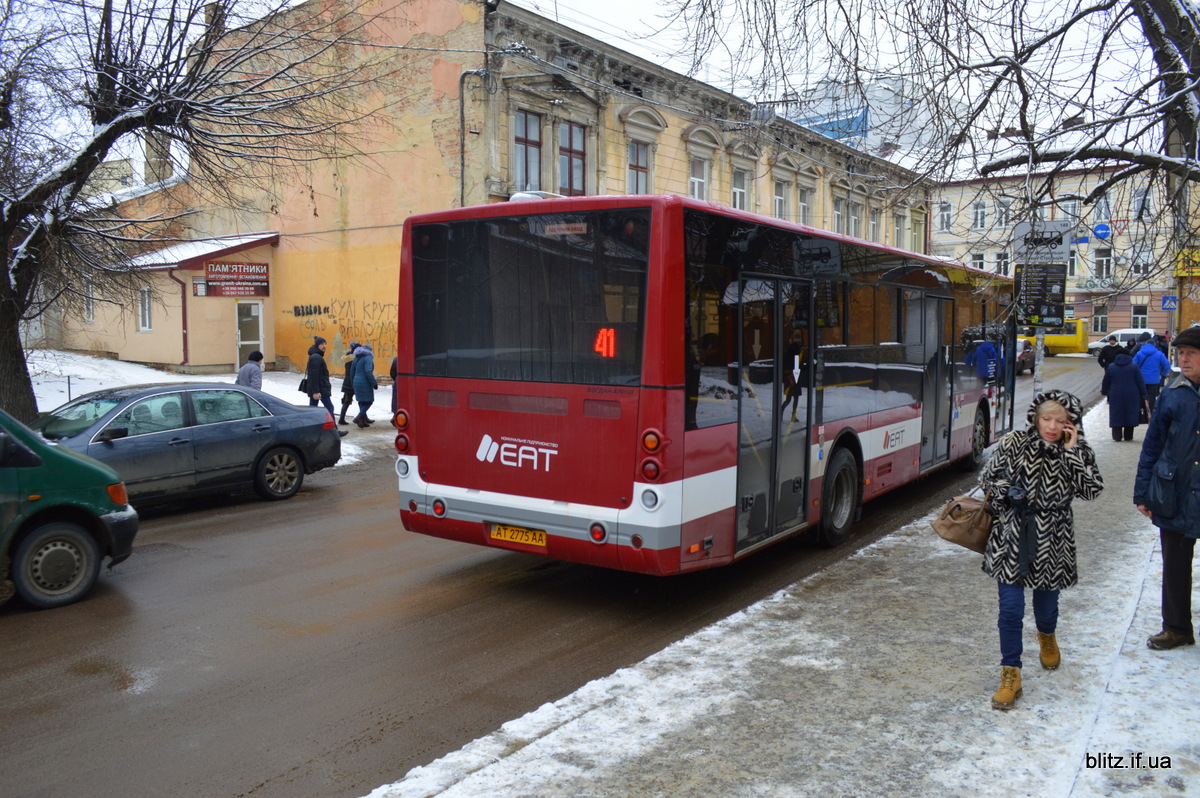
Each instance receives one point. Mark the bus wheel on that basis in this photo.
(841, 497)
(979, 434)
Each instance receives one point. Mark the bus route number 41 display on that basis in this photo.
(606, 342)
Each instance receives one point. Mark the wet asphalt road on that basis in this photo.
(314, 648)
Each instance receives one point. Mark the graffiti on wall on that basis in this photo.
(344, 320)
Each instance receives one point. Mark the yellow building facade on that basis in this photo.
(483, 101)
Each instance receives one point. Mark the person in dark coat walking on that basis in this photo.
(1126, 392)
(1172, 446)
(364, 383)
(317, 374)
(986, 361)
(347, 381)
(1154, 367)
(1031, 480)
(1109, 353)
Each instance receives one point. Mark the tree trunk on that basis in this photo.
(16, 389)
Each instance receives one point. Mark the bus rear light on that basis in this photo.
(400, 419)
(651, 440)
(636, 540)
(598, 532)
(650, 469)
(412, 506)
(649, 499)
(401, 443)
(401, 467)
(439, 508)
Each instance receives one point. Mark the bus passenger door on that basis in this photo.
(936, 392)
(774, 397)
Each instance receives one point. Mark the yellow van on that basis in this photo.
(1070, 338)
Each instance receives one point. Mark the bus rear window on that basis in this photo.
(538, 298)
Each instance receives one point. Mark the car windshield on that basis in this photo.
(73, 417)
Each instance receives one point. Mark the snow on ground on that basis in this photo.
(59, 377)
(874, 677)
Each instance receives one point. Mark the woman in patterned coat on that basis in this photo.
(1031, 479)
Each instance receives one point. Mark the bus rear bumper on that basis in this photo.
(638, 538)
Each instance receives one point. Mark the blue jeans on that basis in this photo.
(326, 400)
(1012, 617)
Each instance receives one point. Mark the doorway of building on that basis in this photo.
(249, 330)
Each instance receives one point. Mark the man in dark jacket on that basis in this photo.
(1167, 489)
(1109, 353)
(317, 375)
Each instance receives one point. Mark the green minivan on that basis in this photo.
(61, 513)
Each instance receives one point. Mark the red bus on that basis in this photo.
(659, 385)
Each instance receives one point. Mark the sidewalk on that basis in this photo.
(874, 678)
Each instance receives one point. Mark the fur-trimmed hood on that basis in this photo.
(1069, 401)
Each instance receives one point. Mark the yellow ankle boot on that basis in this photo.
(1010, 688)
(1049, 651)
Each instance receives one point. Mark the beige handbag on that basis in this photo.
(965, 520)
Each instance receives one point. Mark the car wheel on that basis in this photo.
(979, 435)
(55, 565)
(841, 499)
(279, 474)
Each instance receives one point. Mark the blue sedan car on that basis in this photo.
(173, 439)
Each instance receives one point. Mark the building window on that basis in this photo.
(839, 216)
(898, 230)
(856, 212)
(639, 167)
(873, 230)
(572, 156)
(1140, 318)
(1072, 263)
(945, 217)
(1102, 211)
(1104, 264)
(144, 303)
(977, 261)
(802, 206)
(779, 200)
(1100, 318)
(918, 233)
(527, 137)
(1139, 260)
(1143, 204)
(1069, 209)
(741, 180)
(1069, 310)
(1002, 262)
(979, 215)
(698, 179)
(1003, 213)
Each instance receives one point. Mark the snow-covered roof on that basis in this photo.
(193, 254)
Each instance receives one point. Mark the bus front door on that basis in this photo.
(775, 396)
(936, 392)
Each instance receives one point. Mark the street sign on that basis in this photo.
(1102, 230)
(1040, 241)
(1170, 303)
(1041, 294)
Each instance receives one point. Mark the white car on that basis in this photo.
(1123, 337)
